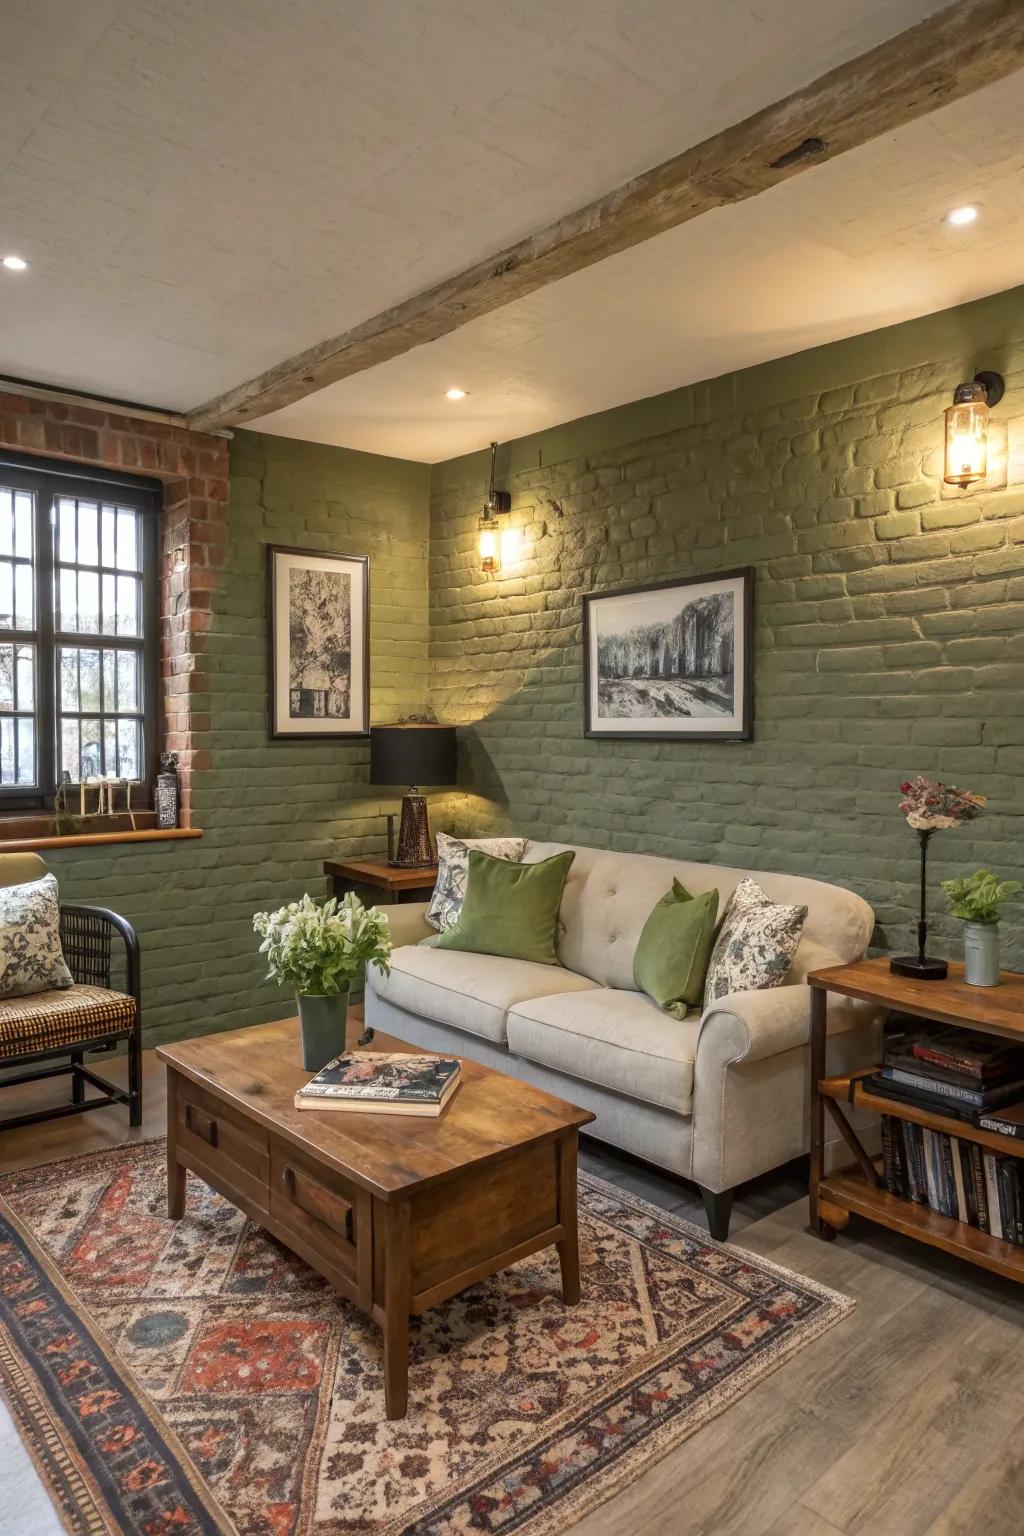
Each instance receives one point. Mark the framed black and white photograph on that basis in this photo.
(671, 660)
(319, 607)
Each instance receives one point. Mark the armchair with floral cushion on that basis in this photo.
(69, 987)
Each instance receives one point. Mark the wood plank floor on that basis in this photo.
(905, 1420)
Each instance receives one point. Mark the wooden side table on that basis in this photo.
(860, 1189)
(394, 885)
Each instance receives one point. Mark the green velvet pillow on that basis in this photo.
(671, 959)
(510, 909)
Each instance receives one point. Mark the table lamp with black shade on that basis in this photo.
(412, 753)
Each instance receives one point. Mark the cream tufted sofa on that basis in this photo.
(716, 1098)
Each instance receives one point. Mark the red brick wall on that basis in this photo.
(194, 469)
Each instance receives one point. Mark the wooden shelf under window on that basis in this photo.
(95, 839)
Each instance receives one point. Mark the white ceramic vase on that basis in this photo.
(981, 954)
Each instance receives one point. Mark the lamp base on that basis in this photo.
(925, 969)
(414, 850)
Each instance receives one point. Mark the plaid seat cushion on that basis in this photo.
(45, 1021)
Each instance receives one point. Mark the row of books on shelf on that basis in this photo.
(978, 1079)
(955, 1177)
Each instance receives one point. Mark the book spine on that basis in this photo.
(995, 1224)
(971, 1204)
(920, 1177)
(922, 1084)
(978, 1181)
(948, 1062)
(957, 1175)
(1011, 1129)
(889, 1172)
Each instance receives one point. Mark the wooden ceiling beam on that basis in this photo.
(958, 51)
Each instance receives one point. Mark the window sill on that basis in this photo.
(97, 839)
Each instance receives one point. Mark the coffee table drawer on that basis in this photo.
(317, 1204)
(233, 1148)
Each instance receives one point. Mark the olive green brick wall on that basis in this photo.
(890, 615)
(270, 811)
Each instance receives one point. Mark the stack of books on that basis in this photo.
(956, 1177)
(951, 1072)
(374, 1083)
(973, 1078)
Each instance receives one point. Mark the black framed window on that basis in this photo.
(79, 619)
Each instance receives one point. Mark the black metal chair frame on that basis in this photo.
(85, 935)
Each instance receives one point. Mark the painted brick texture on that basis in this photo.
(271, 812)
(889, 617)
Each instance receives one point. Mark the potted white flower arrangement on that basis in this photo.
(318, 949)
(975, 900)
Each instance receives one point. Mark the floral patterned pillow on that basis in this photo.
(31, 959)
(755, 945)
(453, 869)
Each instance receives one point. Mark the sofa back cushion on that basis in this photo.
(608, 897)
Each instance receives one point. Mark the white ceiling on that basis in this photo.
(203, 187)
(847, 247)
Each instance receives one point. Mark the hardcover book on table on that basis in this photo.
(378, 1083)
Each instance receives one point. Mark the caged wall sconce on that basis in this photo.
(966, 457)
(494, 541)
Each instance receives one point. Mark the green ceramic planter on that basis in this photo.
(322, 1021)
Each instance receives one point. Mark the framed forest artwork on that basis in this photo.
(672, 660)
(319, 606)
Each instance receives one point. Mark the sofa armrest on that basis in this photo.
(748, 1026)
(751, 1078)
(407, 922)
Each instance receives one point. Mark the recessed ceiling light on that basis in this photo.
(965, 215)
(455, 394)
(15, 264)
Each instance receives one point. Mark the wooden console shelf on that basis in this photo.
(850, 1192)
(852, 1091)
(859, 1191)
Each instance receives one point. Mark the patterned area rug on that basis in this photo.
(172, 1371)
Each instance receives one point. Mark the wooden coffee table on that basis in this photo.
(398, 1212)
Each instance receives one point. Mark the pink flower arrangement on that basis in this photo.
(930, 806)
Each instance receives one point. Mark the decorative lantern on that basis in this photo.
(168, 795)
(967, 429)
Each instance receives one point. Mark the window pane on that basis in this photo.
(26, 664)
(17, 751)
(23, 524)
(24, 597)
(66, 542)
(26, 733)
(89, 680)
(88, 603)
(110, 749)
(109, 550)
(6, 676)
(128, 755)
(69, 749)
(92, 753)
(127, 539)
(68, 678)
(126, 696)
(6, 595)
(128, 605)
(6, 522)
(67, 600)
(88, 546)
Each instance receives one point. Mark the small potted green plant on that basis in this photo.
(976, 900)
(319, 949)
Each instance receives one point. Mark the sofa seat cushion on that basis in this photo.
(65, 1016)
(620, 1040)
(469, 991)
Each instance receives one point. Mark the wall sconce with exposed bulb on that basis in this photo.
(494, 542)
(967, 429)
